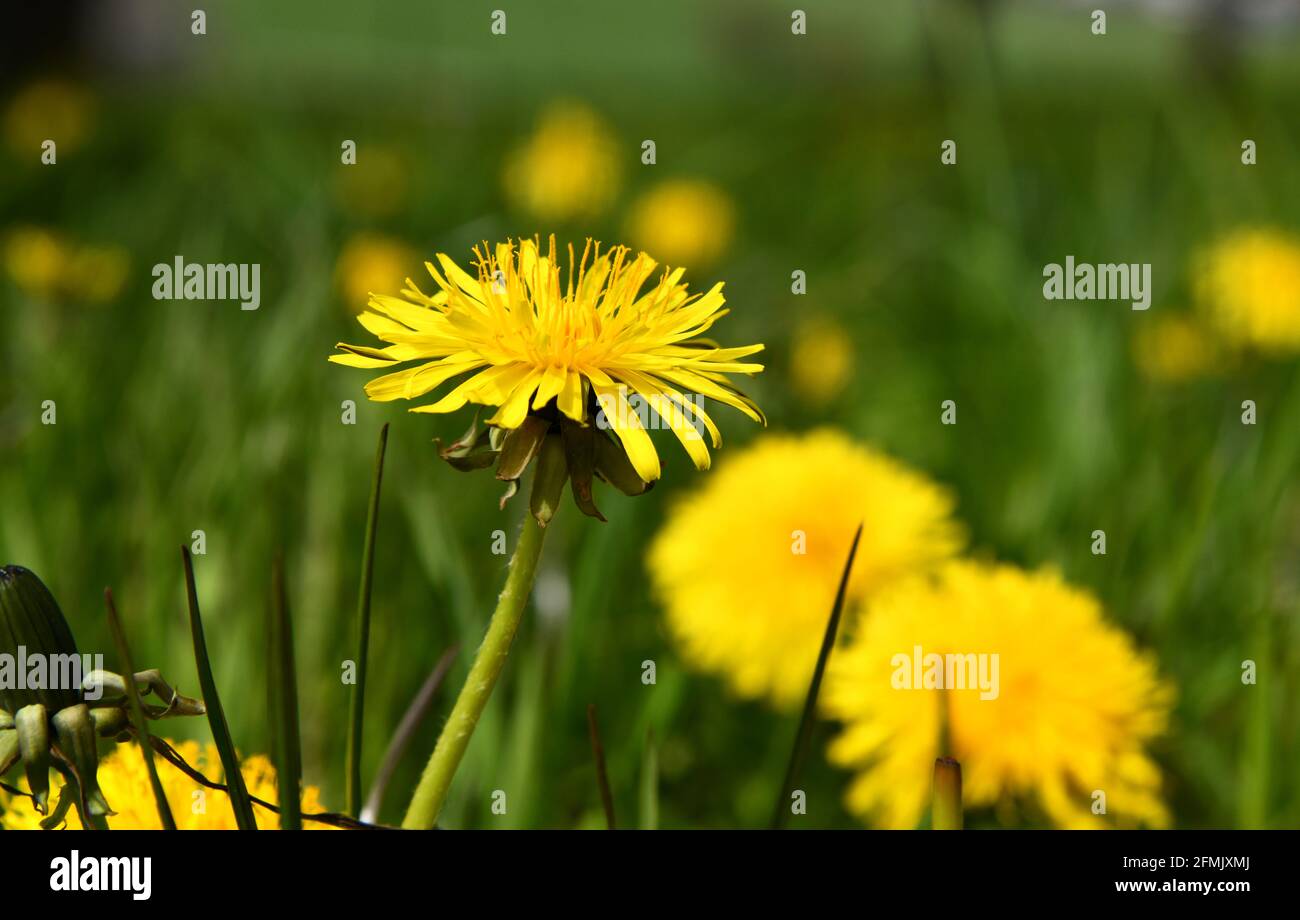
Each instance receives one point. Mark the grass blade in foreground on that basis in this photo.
(243, 808)
(650, 783)
(357, 707)
(807, 720)
(283, 687)
(137, 713)
(602, 775)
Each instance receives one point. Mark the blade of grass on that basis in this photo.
(406, 729)
(357, 706)
(239, 802)
(602, 776)
(650, 783)
(803, 738)
(283, 686)
(137, 713)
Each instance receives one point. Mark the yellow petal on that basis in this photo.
(417, 381)
(623, 421)
(515, 407)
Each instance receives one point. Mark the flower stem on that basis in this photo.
(431, 793)
(947, 812)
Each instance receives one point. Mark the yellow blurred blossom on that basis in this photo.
(1046, 703)
(369, 262)
(47, 265)
(47, 110)
(748, 564)
(821, 359)
(1248, 284)
(1174, 348)
(125, 782)
(683, 221)
(569, 168)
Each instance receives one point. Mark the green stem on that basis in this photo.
(431, 793)
(947, 812)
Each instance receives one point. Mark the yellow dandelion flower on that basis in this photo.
(1248, 284)
(530, 345)
(821, 359)
(369, 262)
(47, 265)
(47, 110)
(747, 567)
(34, 259)
(124, 781)
(569, 168)
(684, 221)
(1054, 706)
(1174, 349)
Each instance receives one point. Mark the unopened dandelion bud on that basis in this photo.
(32, 627)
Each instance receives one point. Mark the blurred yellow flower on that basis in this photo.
(821, 359)
(685, 221)
(368, 263)
(569, 168)
(125, 783)
(377, 184)
(1174, 348)
(747, 566)
(46, 265)
(1248, 284)
(1072, 706)
(47, 110)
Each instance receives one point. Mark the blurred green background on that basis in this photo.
(179, 416)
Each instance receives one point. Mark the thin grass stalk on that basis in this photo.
(239, 802)
(357, 705)
(406, 728)
(803, 738)
(602, 772)
(284, 705)
(137, 713)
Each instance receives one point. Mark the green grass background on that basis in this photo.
(176, 416)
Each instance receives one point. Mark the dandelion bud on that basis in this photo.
(32, 628)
